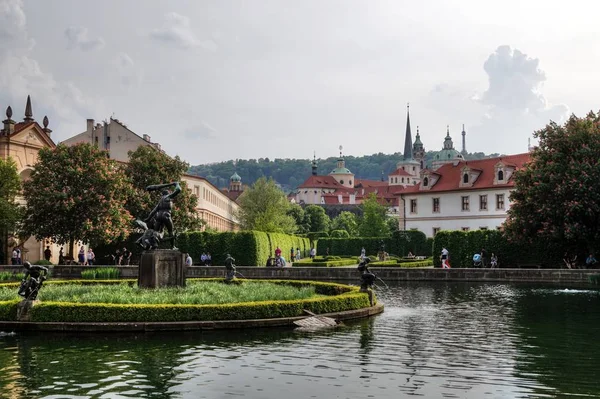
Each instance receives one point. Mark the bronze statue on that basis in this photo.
(230, 267)
(35, 275)
(159, 218)
(367, 278)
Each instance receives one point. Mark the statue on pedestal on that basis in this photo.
(367, 279)
(35, 275)
(159, 218)
(230, 267)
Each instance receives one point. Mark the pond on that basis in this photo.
(452, 340)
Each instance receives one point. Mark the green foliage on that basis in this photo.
(10, 212)
(339, 234)
(104, 273)
(338, 298)
(42, 262)
(316, 219)
(415, 263)
(463, 245)
(555, 201)
(345, 221)
(148, 166)
(373, 221)
(297, 212)
(400, 244)
(10, 276)
(264, 207)
(249, 248)
(76, 193)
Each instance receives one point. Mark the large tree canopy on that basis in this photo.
(555, 202)
(346, 221)
(76, 193)
(373, 221)
(148, 166)
(10, 185)
(316, 218)
(264, 207)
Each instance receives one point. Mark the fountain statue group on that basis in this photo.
(159, 219)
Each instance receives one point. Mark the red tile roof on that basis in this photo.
(400, 172)
(320, 182)
(450, 174)
(369, 183)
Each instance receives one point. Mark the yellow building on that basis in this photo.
(22, 141)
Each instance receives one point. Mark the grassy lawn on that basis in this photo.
(199, 293)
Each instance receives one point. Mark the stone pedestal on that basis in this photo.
(162, 268)
(24, 309)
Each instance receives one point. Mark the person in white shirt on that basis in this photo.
(445, 259)
(313, 252)
(188, 260)
(91, 257)
(203, 259)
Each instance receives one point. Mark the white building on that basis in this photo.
(463, 195)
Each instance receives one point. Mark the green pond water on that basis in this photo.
(433, 341)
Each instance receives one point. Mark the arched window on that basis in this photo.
(342, 181)
(403, 180)
(396, 180)
(425, 182)
(466, 178)
(350, 182)
(500, 175)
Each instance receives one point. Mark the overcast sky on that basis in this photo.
(218, 80)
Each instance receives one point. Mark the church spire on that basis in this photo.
(28, 111)
(464, 141)
(408, 155)
(314, 164)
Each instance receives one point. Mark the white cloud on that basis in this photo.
(77, 38)
(178, 32)
(127, 72)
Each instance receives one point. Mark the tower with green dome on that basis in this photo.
(235, 182)
(448, 154)
(341, 173)
(419, 150)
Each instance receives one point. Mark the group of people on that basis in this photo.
(205, 259)
(278, 260)
(479, 259)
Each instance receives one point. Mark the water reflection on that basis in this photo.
(434, 340)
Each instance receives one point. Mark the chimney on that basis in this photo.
(147, 138)
(9, 124)
(90, 128)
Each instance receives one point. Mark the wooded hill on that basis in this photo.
(290, 173)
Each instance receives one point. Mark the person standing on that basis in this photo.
(208, 259)
(277, 251)
(292, 255)
(81, 256)
(61, 256)
(298, 257)
(19, 259)
(203, 259)
(47, 254)
(313, 252)
(91, 257)
(363, 253)
(13, 259)
(445, 257)
(188, 260)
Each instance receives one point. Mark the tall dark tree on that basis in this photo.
(10, 212)
(76, 193)
(148, 166)
(555, 202)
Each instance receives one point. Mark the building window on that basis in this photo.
(499, 201)
(436, 205)
(464, 228)
(350, 182)
(413, 168)
(342, 181)
(396, 180)
(500, 175)
(436, 230)
(465, 203)
(483, 203)
(425, 182)
(465, 178)
(402, 180)
(413, 206)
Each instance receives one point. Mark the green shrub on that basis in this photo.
(339, 234)
(42, 262)
(400, 244)
(10, 276)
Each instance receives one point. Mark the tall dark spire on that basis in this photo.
(314, 164)
(408, 155)
(28, 111)
(464, 141)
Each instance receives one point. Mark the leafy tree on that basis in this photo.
(555, 202)
(346, 221)
(393, 224)
(316, 218)
(148, 166)
(76, 193)
(264, 207)
(10, 211)
(297, 213)
(373, 221)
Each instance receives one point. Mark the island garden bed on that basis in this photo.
(203, 300)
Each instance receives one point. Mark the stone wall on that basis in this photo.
(559, 276)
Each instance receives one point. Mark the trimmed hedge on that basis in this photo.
(463, 245)
(249, 248)
(400, 244)
(339, 298)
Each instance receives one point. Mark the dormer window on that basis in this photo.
(500, 175)
(466, 178)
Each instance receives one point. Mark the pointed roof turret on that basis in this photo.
(418, 145)
(314, 164)
(464, 141)
(408, 155)
(28, 111)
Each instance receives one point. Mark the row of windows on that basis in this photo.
(216, 222)
(437, 229)
(211, 197)
(465, 203)
(499, 177)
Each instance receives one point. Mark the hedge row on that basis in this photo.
(249, 248)
(400, 244)
(341, 298)
(463, 245)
